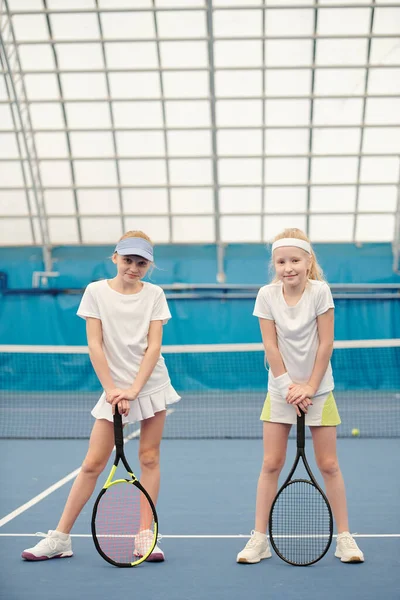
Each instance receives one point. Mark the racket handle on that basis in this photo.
(118, 433)
(301, 431)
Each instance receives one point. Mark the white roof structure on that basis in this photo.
(199, 120)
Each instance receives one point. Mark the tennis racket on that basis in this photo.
(300, 521)
(124, 519)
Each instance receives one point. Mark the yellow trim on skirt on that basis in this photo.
(323, 411)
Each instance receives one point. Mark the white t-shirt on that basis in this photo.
(296, 328)
(125, 321)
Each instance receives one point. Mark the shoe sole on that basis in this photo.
(245, 561)
(32, 557)
(352, 559)
(154, 557)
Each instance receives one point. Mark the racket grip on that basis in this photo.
(301, 430)
(118, 433)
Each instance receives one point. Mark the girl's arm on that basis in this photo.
(325, 325)
(94, 333)
(275, 361)
(152, 354)
(274, 358)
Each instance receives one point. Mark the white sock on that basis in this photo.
(60, 535)
(258, 533)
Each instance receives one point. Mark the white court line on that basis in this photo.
(18, 511)
(208, 537)
(38, 498)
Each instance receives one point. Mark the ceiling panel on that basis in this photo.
(257, 115)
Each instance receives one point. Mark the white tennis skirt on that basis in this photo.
(142, 408)
(323, 411)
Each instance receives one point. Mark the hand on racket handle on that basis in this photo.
(128, 394)
(123, 407)
(299, 396)
(301, 406)
(298, 392)
(123, 399)
(112, 393)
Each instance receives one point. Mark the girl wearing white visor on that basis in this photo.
(296, 319)
(124, 322)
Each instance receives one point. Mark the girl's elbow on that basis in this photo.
(327, 347)
(94, 346)
(271, 347)
(154, 349)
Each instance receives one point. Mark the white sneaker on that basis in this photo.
(347, 549)
(256, 549)
(143, 542)
(54, 545)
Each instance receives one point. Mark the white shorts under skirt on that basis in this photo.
(144, 407)
(323, 411)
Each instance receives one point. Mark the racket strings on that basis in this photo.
(301, 523)
(125, 528)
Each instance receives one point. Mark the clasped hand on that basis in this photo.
(121, 398)
(300, 395)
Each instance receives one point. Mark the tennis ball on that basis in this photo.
(355, 432)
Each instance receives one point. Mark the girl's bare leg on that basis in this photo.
(100, 447)
(149, 456)
(275, 436)
(149, 453)
(324, 440)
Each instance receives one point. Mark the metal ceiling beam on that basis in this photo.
(264, 120)
(70, 158)
(209, 128)
(120, 157)
(210, 186)
(4, 30)
(255, 38)
(208, 214)
(310, 134)
(16, 87)
(112, 121)
(220, 275)
(164, 120)
(302, 67)
(364, 112)
(199, 8)
(396, 233)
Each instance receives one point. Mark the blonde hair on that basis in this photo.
(315, 271)
(138, 234)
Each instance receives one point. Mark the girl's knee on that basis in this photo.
(272, 464)
(149, 458)
(93, 467)
(328, 466)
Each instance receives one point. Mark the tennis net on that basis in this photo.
(49, 391)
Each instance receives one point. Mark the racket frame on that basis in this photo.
(120, 456)
(289, 481)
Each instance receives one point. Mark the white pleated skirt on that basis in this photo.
(142, 408)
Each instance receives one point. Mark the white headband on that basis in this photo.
(292, 242)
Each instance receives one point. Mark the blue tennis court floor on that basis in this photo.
(206, 511)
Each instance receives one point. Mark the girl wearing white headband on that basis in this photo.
(124, 322)
(296, 319)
